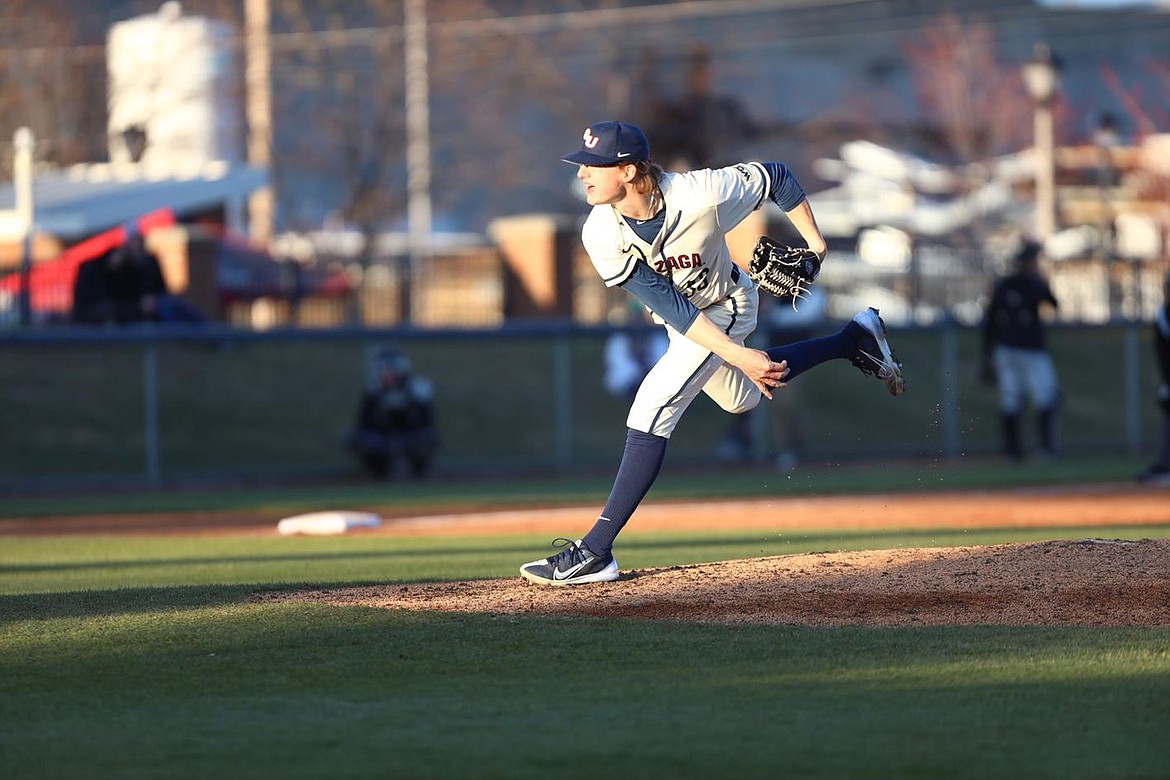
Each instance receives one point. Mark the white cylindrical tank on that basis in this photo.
(176, 78)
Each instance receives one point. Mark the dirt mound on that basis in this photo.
(1089, 582)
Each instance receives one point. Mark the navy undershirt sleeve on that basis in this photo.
(786, 191)
(661, 297)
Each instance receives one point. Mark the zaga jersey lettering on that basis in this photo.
(682, 261)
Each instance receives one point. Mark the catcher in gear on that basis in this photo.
(395, 417)
(660, 237)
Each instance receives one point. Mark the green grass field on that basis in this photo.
(134, 657)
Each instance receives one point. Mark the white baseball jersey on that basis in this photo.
(700, 207)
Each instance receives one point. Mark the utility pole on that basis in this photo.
(418, 153)
(258, 110)
(24, 147)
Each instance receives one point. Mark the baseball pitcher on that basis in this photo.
(660, 237)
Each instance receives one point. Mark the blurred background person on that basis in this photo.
(781, 323)
(700, 128)
(395, 417)
(1159, 470)
(787, 324)
(631, 353)
(126, 285)
(1015, 353)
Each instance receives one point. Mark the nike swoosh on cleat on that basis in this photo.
(564, 575)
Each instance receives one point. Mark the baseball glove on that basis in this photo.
(783, 271)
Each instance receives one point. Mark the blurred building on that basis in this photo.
(829, 87)
(174, 90)
(175, 149)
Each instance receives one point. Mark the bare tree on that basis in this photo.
(338, 91)
(52, 81)
(977, 105)
(503, 82)
(1133, 100)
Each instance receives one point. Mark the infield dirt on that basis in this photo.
(1084, 582)
(1091, 582)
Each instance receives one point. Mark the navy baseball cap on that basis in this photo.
(608, 143)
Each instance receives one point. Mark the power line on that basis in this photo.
(904, 21)
(663, 13)
(569, 21)
(554, 21)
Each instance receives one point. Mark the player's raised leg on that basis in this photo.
(864, 342)
(874, 354)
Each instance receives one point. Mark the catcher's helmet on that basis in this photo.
(383, 359)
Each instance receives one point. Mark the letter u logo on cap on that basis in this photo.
(590, 139)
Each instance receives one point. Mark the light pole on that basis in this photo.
(1042, 80)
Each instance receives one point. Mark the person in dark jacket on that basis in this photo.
(1159, 470)
(1015, 353)
(126, 285)
(395, 417)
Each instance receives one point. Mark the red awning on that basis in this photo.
(51, 281)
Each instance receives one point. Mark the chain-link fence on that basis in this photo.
(151, 408)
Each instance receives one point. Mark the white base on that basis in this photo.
(327, 523)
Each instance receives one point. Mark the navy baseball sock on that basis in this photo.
(803, 355)
(641, 462)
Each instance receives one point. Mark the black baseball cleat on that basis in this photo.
(874, 356)
(576, 564)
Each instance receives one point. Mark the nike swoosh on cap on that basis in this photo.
(623, 154)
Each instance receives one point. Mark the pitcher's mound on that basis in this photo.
(1089, 582)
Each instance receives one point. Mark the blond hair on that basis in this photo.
(648, 176)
